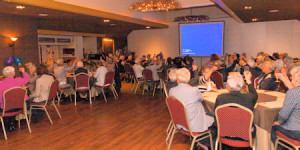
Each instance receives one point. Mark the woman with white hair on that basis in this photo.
(191, 97)
(289, 116)
(173, 80)
(9, 82)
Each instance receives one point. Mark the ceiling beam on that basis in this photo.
(54, 32)
(51, 4)
(228, 10)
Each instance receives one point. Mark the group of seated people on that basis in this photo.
(267, 69)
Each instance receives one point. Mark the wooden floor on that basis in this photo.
(133, 122)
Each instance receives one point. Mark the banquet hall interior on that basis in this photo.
(150, 74)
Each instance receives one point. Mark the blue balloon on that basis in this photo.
(9, 61)
(18, 60)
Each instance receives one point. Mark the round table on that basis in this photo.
(265, 112)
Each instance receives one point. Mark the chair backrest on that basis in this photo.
(127, 67)
(192, 74)
(147, 73)
(13, 101)
(168, 71)
(131, 71)
(217, 77)
(234, 120)
(53, 75)
(256, 86)
(109, 78)
(177, 111)
(166, 90)
(53, 90)
(82, 80)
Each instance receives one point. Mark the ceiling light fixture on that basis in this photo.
(154, 5)
(248, 7)
(20, 7)
(274, 11)
(148, 27)
(106, 20)
(254, 19)
(43, 15)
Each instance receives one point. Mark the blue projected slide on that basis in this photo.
(201, 39)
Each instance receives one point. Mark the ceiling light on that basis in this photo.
(13, 39)
(254, 19)
(106, 20)
(148, 27)
(43, 15)
(274, 11)
(20, 7)
(248, 7)
(154, 5)
(107, 40)
(113, 24)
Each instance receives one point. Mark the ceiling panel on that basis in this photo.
(260, 9)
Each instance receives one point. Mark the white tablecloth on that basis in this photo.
(266, 110)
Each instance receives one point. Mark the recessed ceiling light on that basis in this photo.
(43, 15)
(254, 19)
(20, 7)
(148, 27)
(106, 20)
(274, 10)
(113, 24)
(248, 7)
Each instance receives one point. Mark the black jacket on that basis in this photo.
(245, 99)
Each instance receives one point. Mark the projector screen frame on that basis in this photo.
(179, 36)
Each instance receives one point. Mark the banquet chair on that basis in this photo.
(147, 73)
(256, 86)
(61, 91)
(108, 83)
(126, 67)
(234, 120)
(14, 104)
(286, 142)
(138, 81)
(82, 84)
(170, 126)
(217, 77)
(42, 105)
(178, 114)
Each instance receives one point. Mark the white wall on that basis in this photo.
(90, 44)
(275, 36)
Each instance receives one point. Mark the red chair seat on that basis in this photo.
(83, 89)
(295, 142)
(234, 143)
(66, 88)
(9, 114)
(194, 133)
(104, 86)
(37, 103)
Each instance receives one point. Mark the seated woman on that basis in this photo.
(7, 83)
(192, 99)
(60, 73)
(289, 116)
(173, 80)
(31, 69)
(42, 89)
